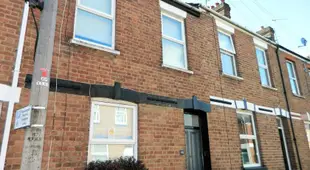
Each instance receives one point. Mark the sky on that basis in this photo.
(289, 18)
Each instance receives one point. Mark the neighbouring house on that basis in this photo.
(176, 85)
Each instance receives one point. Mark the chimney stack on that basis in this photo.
(267, 32)
(223, 8)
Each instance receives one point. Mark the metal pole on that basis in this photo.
(16, 71)
(34, 136)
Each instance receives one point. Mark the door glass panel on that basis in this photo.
(191, 120)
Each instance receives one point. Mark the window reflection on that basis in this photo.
(245, 124)
(249, 154)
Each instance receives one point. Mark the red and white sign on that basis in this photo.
(44, 78)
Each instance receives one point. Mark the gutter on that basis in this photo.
(288, 106)
(185, 7)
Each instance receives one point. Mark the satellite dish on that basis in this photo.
(303, 41)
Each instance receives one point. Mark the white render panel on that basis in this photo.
(222, 25)
(295, 114)
(257, 109)
(240, 104)
(297, 118)
(232, 105)
(260, 43)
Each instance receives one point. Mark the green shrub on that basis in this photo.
(122, 163)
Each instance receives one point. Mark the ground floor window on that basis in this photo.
(307, 126)
(248, 139)
(113, 131)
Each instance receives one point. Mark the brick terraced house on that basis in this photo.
(176, 85)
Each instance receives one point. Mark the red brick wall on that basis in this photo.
(303, 146)
(224, 138)
(161, 137)
(269, 142)
(66, 134)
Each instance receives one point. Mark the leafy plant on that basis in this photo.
(122, 163)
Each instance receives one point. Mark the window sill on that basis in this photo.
(179, 69)
(299, 96)
(270, 88)
(97, 47)
(256, 168)
(232, 77)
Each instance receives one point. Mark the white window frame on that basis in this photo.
(100, 153)
(294, 78)
(133, 141)
(308, 137)
(101, 14)
(118, 113)
(285, 144)
(179, 19)
(96, 111)
(264, 66)
(253, 137)
(228, 52)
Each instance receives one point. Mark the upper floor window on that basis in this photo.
(227, 54)
(94, 22)
(173, 41)
(107, 139)
(263, 67)
(292, 77)
(249, 145)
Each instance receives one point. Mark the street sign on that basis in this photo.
(22, 118)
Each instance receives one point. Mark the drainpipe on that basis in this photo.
(288, 106)
(9, 115)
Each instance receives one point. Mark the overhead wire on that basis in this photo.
(262, 7)
(273, 19)
(259, 18)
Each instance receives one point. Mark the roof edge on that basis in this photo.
(254, 34)
(196, 12)
(183, 6)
